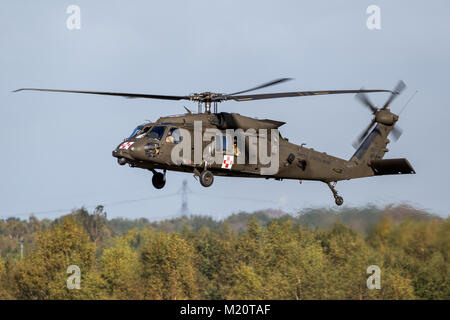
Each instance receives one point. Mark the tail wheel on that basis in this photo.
(337, 198)
(158, 180)
(206, 178)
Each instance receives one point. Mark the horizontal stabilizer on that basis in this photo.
(391, 166)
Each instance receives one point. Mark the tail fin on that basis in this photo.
(374, 145)
(369, 154)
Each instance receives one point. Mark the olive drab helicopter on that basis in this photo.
(151, 145)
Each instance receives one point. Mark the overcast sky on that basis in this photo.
(56, 148)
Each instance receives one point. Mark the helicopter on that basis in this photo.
(225, 143)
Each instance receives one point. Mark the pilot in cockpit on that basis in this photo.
(173, 136)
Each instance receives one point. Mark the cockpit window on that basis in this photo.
(139, 132)
(142, 132)
(156, 133)
(135, 131)
(174, 136)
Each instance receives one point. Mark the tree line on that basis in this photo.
(318, 254)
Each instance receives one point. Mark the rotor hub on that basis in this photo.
(207, 98)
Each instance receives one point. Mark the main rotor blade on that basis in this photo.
(251, 97)
(398, 89)
(364, 99)
(268, 84)
(121, 94)
(360, 138)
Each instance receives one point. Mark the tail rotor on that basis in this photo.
(381, 115)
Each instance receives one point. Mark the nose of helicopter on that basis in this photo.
(137, 151)
(129, 151)
(125, 152)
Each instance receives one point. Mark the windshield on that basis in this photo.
(142, 132)
(135, 131)
(139, 132)
(156, 133)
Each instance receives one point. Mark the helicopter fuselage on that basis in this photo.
(151, 147)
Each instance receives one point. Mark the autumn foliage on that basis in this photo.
(247, 256)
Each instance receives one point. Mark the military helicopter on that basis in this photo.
(151, 145)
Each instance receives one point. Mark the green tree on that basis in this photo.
(120, 269)
(168, 267)
(4, 290)
(43, 273)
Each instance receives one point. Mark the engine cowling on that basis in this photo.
(225, 120)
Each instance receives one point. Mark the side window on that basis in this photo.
(236, 150)
(221, 144)
(224, 143)
(156, 133)
(174, 136)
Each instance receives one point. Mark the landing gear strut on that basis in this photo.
(337, 198)
(159, 179)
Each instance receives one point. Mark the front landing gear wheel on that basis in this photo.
(206, 178)
(159, 180)
(339, 200)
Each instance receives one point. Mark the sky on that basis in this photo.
(56, 153)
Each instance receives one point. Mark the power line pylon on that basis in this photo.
(184, 210)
